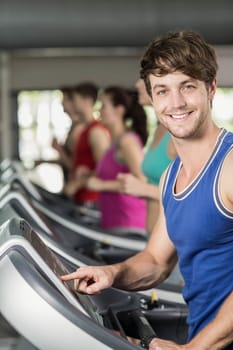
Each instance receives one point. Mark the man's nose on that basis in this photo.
(177, 100)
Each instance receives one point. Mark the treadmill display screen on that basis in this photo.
(48, 256)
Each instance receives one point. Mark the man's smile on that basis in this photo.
(180, 116)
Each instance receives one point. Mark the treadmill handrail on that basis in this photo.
(4, 189)
(102, 237)
(18, 175)
(16, 195)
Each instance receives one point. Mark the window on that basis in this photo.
(223, 108)
(41, 117)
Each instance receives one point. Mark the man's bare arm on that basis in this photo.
(218, 333)
(226, 183)
(144, 270)
(151, 266)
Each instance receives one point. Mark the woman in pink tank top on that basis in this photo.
(126, 121)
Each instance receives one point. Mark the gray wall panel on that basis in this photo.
(35, 72)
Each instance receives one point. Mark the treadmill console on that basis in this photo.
(16, 226)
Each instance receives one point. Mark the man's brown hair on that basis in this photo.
(185, 51)
(87, 90)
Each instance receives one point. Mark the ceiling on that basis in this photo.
(108, 23)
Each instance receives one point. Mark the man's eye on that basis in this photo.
(189, 87)
(161, 92)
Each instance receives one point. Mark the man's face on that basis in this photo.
(68, 105)
(181, 103)
(80, 105)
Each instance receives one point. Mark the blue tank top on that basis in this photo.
(201, 229)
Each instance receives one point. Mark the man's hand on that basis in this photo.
(77, 182)
(82, 173)
(56, 145)
(160, 344)
(72, 187)
(91, 279)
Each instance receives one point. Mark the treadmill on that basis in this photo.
(93, 242)
(22, 204)
(94, 248)
(103, 248)
(51, 315)
(14, 174)
(14, 205)
(107, 247)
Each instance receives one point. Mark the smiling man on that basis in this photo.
(195, 224)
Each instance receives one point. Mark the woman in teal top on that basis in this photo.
(156, 160)
(157, 155)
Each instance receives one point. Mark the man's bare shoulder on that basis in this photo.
(228, 164)
(226, 185)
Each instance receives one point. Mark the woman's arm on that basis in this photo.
(96, 184)
(134, 183)
(130, 152)
(130, 184)
(99, 140)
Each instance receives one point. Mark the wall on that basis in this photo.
(51, 68)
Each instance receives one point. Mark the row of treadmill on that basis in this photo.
(44, 235)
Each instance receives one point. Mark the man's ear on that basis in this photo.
(212, 89)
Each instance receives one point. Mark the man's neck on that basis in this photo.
(194, 153)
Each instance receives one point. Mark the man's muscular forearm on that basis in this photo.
(139, 272)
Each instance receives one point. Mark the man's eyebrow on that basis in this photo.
(156, 86)
(159, 86)
(190, 80)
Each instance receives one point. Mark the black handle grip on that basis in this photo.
(145, 331)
